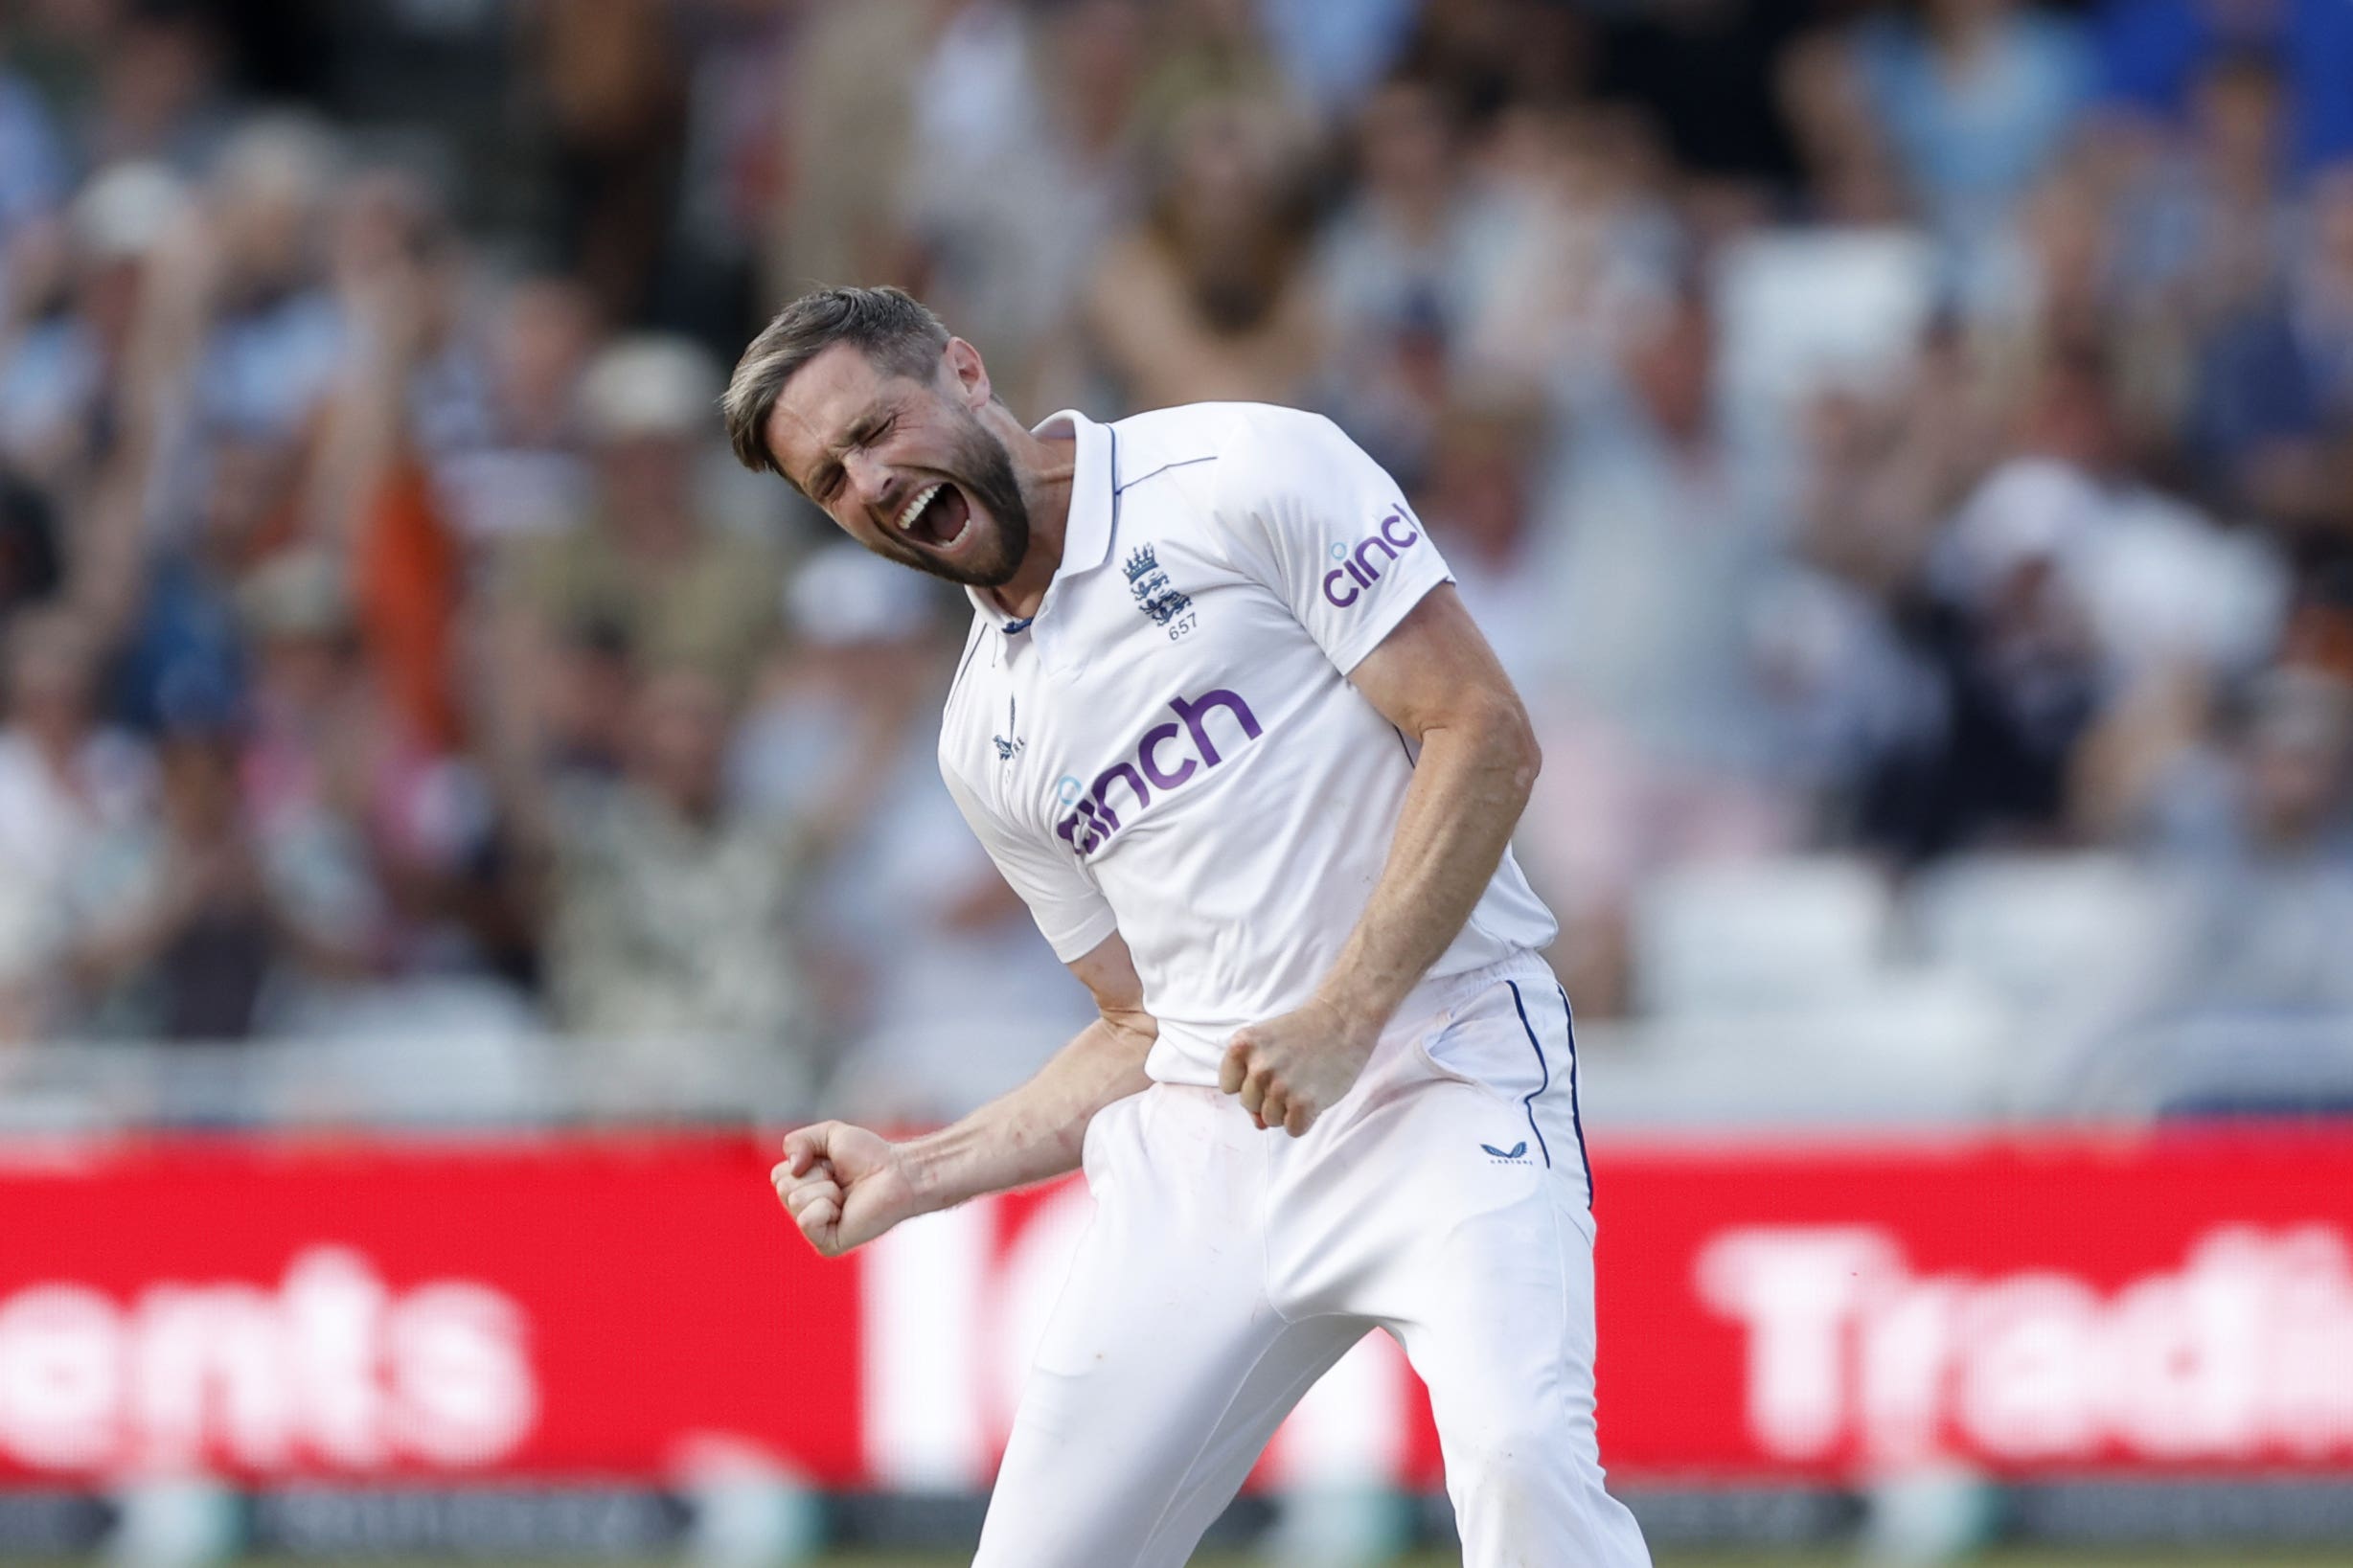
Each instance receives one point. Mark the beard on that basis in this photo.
(982, 469)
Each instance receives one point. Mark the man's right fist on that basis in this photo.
(842, 1185)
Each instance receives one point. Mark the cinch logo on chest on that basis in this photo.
(1161, 762)
(1395, 533)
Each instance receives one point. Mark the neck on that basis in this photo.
(1043, 469)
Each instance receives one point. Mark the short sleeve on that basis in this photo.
(1071, 912)
(1315, 519)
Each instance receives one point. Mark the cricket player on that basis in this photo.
(1223, 723)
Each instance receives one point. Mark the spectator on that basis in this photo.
(502, 436)
(678, 589)
(1407, 266)
(2262, 836)
(2152, 53)
(1849, 175)
(668, 909)
(2204, 231)
(1663, 533)
(186, 927)
(276, 339)
(1022, 166)
(1489, 56)
(1420, 237)
(1974, 97)
(160, 92)
(65, 353)
(1478, 497)
(2269, 373)
(1595, 249)
(2062, 583)
(848, 94)
(1207, 52)
(67, 784)
(1208, 297)
(1667, 521)
(236, 345)
(385, 833)
(731, 172)
(1886, 471)
(615, 107)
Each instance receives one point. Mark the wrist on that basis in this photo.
(935, 1169)
(1363, 1008)
(921, 1161)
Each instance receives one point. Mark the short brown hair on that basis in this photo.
(897, 331)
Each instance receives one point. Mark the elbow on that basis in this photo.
(1489, 739)
(1510, 742)
(1527, 758)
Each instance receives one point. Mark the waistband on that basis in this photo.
(1437, 995)
(1183, 1057)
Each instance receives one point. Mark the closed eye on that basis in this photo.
(826, 482)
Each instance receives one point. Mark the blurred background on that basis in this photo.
(1903, 451)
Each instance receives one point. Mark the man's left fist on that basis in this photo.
(1290, 1070)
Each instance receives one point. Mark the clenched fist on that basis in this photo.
(842, 1185)
(1290, 1070)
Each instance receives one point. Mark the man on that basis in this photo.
(1224, 725)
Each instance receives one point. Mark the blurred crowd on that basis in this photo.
(1886, 435)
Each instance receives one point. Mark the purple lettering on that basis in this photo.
(1394, 533)
(1091, 822)
(1154, 738)
(1136, 782)
(1192, 714)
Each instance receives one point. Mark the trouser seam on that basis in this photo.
(1292, 1395)
(1207, 1437)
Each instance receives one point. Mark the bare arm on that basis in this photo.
(1435, 678)
(844, 1185)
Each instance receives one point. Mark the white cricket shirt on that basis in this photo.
(1170, 748)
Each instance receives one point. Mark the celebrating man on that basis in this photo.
(1223, 723)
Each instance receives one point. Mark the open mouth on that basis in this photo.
(938, 516)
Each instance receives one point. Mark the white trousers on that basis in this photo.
(1445, 1200)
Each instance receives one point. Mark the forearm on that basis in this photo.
(1033, 1132)
(1470, 785)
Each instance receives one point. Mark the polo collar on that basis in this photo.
(1086, 533)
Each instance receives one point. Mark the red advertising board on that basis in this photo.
(634, 1307)
(565, 1306)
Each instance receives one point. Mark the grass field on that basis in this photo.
(1766, 1559)
(2334, 1558)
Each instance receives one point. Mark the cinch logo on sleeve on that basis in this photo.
(1345, 583)
(1161, 762)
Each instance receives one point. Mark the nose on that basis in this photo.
(871, 481)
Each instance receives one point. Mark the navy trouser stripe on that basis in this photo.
(1576, 1118)
(1543, 1067)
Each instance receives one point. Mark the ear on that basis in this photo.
(969, 376)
